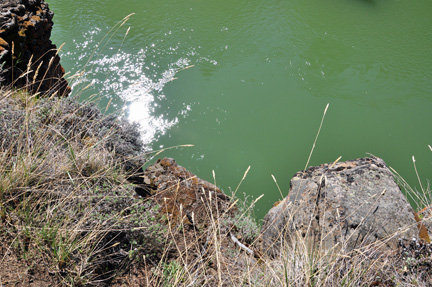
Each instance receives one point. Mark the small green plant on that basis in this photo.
(172, 274)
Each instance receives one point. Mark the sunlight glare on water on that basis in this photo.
(123, 75)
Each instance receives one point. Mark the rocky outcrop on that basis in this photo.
(200, 222)
(182, 195)
(27, 57)
(346, 206)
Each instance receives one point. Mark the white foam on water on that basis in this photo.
(134, 79)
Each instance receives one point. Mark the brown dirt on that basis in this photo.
(15, 271)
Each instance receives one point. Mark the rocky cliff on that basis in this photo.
(28, 58)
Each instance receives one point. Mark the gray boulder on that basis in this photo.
(340, 207)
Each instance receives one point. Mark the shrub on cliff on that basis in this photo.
(67, 212)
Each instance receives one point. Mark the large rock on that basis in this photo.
(26, 48)
(182, 195)
(344, 206)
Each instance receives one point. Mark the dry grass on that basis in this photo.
(69, 217)
(64, 198)
(298, 264)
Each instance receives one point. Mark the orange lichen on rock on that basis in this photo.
(22, 32)
(28, 25)
(3, 43)
(165, 162)
(36, 18)
(277, 203)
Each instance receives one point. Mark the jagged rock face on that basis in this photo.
(192, 207)
(345, 206)
(25, 45)
(182, 195)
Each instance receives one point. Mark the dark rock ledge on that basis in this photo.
(26, 48)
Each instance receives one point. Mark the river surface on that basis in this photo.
(246, 82)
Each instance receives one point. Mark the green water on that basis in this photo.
(263, 72)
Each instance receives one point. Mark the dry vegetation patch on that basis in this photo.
(65, 198)
(70, 216)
